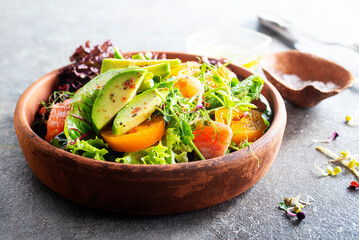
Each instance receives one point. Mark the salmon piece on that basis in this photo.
(57, 117)
(212, 142)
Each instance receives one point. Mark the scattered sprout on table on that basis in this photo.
(350, 121)
(331, 139)
(346, 159)
(294, 206)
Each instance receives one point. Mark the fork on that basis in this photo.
(287, 30)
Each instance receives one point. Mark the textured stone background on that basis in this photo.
(39, 36)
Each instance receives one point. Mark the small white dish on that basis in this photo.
(238, 45)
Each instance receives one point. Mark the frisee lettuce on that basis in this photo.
(153, 155)
(172, 151)
(92, 148)
(244, 93)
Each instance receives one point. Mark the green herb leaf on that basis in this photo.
(139, 56)
(148, 55)
(59, 141)
(187, 130)
(217, 80)
(283, 206)
(117, 54)
(251, 86)
(234, 82)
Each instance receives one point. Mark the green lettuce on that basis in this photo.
(251, 87)
(153, 155)
(172, 151)
(173, 141)
(244, 91)
(92, 148)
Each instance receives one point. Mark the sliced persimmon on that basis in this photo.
(245, 125)
(143, 136)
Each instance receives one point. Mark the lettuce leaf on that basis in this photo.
(92, 148)
(153, 155)
(59, 141)
(245, 92)
(174, 143)
(251, 86)
(173, 151)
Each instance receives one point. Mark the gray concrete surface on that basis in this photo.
(39, 36)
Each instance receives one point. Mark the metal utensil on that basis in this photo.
(287, 30)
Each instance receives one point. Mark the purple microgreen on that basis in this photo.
(331, 139)
(244, 114)
(291, 213)
(199, 106)
(294, 206)
(300, 215)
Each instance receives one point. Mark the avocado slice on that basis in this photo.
(117, 92)
(79, 122)
(162, 69)
(110, 63)
(146, 83)
(137, 110)
(96, 84)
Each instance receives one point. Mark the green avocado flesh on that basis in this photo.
(117, 92)
(137, 110)
(97, 83)
(162, 69)
(79, 121)
(109, 63)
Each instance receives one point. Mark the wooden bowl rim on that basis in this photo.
(21, 122)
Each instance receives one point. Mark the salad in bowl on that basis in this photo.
(142, 108)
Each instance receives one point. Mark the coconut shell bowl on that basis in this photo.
(307, 67)
(146, 189)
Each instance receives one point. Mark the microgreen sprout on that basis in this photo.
(199, 106)
(173, 109)
(56, 97)
(346, 159)
(354, 185)
(294, 206)
(350, 121)
(334, 171)
(331, 139)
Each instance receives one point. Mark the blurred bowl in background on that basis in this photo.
(238, 45)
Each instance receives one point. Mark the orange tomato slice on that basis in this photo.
(245, 127)
(144, 135)
(188, 86)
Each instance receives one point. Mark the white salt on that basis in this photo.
(296, 82)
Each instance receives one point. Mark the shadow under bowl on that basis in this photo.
(307, 67)
(146, 189)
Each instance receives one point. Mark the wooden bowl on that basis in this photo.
(145, 189)
(307, 67)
